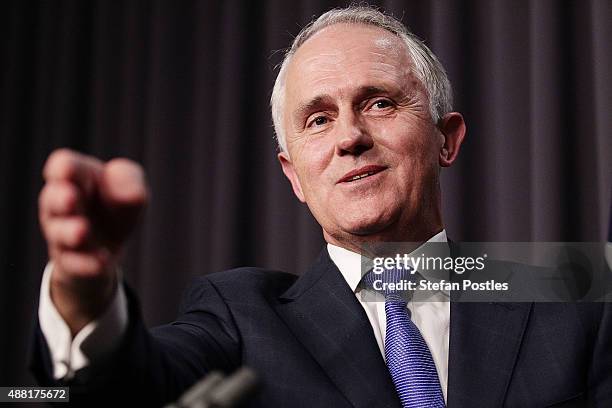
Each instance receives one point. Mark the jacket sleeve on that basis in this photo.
(600, 375)
(154, 367)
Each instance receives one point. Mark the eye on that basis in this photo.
(318, 121)
(381, 104)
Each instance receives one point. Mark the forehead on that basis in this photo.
(346, 55)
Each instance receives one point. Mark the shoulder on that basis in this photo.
(246, 283)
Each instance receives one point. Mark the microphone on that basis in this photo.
(217, 391)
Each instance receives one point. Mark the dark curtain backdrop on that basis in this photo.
(183, 87)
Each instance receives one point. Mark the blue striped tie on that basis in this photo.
(408, 358)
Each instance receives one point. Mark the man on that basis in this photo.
(362, 111)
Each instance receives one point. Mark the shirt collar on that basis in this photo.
(349, 262)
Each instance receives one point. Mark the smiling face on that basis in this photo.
(363, 152)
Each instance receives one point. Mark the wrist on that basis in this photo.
(82, 300)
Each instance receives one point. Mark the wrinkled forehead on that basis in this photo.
(345, 49)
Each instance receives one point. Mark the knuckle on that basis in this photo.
(43, 197)
(64, 154)
(78, 232)
(67, 196)
(71, 233)
(59, 164)
(59, 197)
(50, 232)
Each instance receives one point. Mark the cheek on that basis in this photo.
(408, 141)
(313, 159)
(412, 150)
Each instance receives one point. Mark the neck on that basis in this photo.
(410, 237)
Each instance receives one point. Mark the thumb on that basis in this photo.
(123, 193)
(122, 184)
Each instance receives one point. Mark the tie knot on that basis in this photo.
(394, 283)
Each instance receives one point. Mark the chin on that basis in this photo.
(367, 225)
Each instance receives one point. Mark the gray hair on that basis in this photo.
(426, 66)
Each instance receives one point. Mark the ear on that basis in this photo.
(290, 173)
(452, 127)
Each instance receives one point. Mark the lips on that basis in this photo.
(361, 173)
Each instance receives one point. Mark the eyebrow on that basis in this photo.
(320, 102)
(314, 104)
(367, 91)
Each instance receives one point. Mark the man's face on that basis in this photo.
(363, 150)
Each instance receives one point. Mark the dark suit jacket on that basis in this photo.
(312, 345)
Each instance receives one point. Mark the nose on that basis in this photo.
(353, 137)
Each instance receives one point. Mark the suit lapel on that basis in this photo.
(484, 343)
(326, 317)
(485, 339)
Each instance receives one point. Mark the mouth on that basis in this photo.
(361, 173)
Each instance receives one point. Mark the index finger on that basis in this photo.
(69, 165)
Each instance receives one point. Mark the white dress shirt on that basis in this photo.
(98, 338)
(103, 335)
(432, 316)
